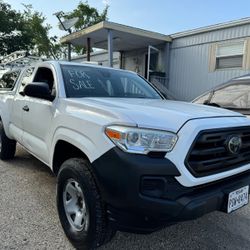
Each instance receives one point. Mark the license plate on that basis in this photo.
(237, 199)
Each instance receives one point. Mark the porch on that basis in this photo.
(142, 51)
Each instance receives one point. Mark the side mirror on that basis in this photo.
(38, 90)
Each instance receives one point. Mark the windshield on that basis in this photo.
(235, 96)
(84, 81)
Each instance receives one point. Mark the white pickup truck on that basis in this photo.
(125, 158)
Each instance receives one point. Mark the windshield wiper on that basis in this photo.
(206, 102)
(214, 104)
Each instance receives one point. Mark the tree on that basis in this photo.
(34, 24)
(87, 15)
(27, 31)
(42, 44)
(12, 31)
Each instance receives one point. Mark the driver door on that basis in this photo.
(37, 117)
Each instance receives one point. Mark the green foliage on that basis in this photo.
(43, 45)
(87, 15)
(34, 24)
(27, 30)
(13, 35)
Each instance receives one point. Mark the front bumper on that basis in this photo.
(143, 195)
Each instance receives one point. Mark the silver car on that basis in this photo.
(233, 95)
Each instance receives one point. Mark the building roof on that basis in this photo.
(127, 38)
(124, 37)
(214, 27)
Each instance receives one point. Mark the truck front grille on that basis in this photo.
(210, 154)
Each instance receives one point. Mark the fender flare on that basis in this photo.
(77, 139)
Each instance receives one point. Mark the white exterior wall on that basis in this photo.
(135, 60)
(101, 58)
(131, 60)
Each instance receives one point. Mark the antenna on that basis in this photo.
(59, 13)
(68, 23)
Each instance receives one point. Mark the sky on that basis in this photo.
(163, 16)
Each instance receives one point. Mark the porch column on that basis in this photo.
(69, 52)
(167, 63)
(110, 48)
(88, 49)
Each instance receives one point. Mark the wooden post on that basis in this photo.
(69, 52)
(88, 49)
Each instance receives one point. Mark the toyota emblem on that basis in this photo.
(234, 144)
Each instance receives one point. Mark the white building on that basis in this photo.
(186, 63)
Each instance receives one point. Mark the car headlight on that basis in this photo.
(141, 141)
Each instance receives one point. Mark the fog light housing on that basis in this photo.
(153, 186)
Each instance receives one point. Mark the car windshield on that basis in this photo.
(235, 95)
(87, 81)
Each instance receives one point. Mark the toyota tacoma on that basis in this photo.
(125, 157)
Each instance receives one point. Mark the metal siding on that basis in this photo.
(189, 62)
(212, 36)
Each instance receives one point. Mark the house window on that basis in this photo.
(229, 55)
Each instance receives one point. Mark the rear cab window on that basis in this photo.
(27, 78)
(8, 80)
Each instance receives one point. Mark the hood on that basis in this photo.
(150, 113)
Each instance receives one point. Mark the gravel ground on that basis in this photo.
(28, 218)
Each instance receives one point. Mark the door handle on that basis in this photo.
(26, 108)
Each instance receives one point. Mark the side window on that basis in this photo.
(8, 80)
(26, 78)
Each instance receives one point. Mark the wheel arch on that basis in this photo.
(63, 151)
(68, 142)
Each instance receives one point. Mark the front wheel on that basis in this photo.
(81, 210)
(7, 146)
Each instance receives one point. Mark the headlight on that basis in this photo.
(141, 141)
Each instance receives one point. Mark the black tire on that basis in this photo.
(7, 146)
(98, 232)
